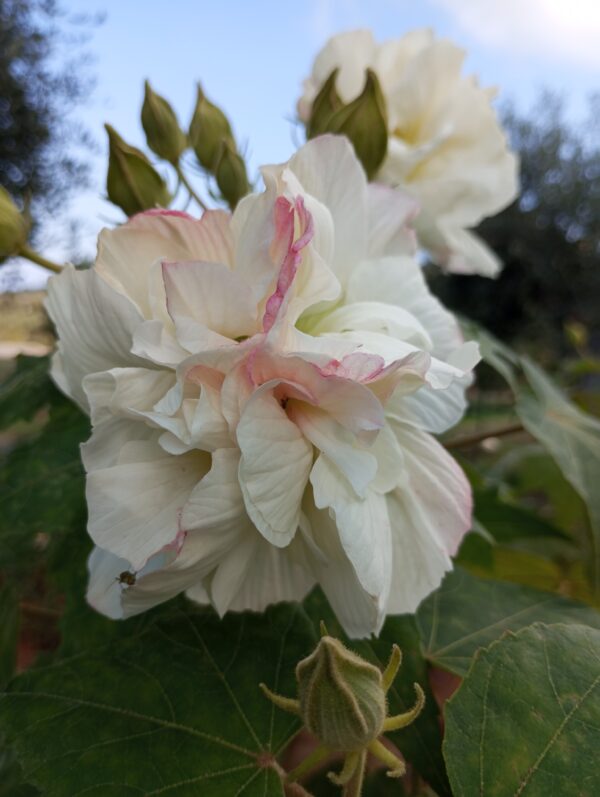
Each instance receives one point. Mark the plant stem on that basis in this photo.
(318, 754)
(354, 787)
(189, 187)
(30, 254)
(472, 440)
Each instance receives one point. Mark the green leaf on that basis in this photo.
(525, 719)
(420, 742)
(11, 776)
(176, 710)
(42, 487)
(25, 391)
(9, 632)
(572, 437)
(467, 613)
(507, 523)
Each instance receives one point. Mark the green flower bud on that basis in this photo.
(230, 174)
(325, 104)
(342, 698)
(342, 701)
(132, 182)
(208, 129)
(364, 122)
(13, 226)
(163, 134)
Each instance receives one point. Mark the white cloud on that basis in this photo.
(568, 30)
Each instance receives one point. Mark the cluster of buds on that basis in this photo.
(364, 120)
(213, 142)
(342, 701)
(135, 185)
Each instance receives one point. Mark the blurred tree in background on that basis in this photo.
(41, 148)
(549, 239)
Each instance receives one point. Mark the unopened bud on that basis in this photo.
(208, 129)
(163, 134)
(342, 700)
(325, 104)
(364, 122)
(13, 226)
(132, 182)
(230, 174)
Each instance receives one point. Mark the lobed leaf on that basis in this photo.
(525, 719)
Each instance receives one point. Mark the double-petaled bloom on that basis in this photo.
(262, 389)
(445, 146)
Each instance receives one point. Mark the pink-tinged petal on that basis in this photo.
(358, 367)
(126, 254)
(328, 170)
(274, 468)
(210, 294)
(351, 404)
(285, 243)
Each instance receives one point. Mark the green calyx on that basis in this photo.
(132, 182)
(364, 120)
(163, 134)
(209, 129)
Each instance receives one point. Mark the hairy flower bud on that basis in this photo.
(13, 226)
(208, 129)
(163, 134)
(132, 182)
(230, 174)
(342, 700)
(364, 122)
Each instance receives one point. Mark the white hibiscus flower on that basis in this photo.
(261, 389)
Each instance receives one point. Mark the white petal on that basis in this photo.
(360, 613)
(357, 465)
(329, 170)
(210, 294)
(274, 574)
(109, 437)
(363, 525)
(391, 214)
(216, 502)
(128, 392)
(400, 282)
(372, 316)
(274, 468)
(95, 326)
(135, 506)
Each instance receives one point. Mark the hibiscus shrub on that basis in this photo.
(273, 432)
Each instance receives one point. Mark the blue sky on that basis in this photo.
(251, 56)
